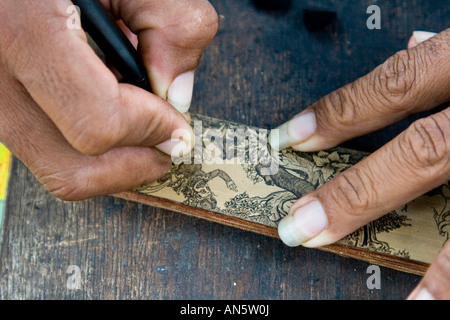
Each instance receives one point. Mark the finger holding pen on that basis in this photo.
(69, 108)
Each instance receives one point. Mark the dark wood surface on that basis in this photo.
(262, 68)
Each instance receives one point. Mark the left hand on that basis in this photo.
(66, 116)
(232, 186)
(415, 162)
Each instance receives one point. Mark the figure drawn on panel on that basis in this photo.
(297, 174)
(442, 214)
(192, 182)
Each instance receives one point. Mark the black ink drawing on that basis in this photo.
(442, 215)
(192, 182)
(298, 174)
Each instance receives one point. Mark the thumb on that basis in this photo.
(172, 38)
(79, 94)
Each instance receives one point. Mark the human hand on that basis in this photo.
(415, 162)
(232, 186)
(64, 114)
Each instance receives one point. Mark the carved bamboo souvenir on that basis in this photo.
(234, 178)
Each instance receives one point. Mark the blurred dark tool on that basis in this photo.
(118, 50)
(273, 5)
(316, 20)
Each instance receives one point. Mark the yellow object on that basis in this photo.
(5, 159)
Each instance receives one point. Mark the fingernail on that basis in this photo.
(295, 131)
(181, 143)
(305, 223)
(421, 36)
(412, 42)
(424, 294)
(174, 148)
(180, 91)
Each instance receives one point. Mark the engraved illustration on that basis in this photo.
(442, 215)
(297, 174)
(366, 237)
(192, 182)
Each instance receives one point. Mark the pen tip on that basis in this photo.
(144, 84)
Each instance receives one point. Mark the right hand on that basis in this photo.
(410, 165)
(64, 114)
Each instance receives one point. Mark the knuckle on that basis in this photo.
(13, 56)
(22, 43)
(338, 109)
(330, 110)
(199, 26)
(353, 192)
(66, 192)
(396, 78)
(94, 140)
(96, 133)
(427, 143)
(63, 185)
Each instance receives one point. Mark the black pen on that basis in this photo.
(116, 47)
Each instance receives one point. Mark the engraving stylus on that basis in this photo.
(117, 48)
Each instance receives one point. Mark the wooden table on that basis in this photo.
(263, 67)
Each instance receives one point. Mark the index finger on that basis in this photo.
(76, 90)
(410, 165)
(411, 81)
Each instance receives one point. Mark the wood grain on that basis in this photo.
(377, 258)
(127, 250)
